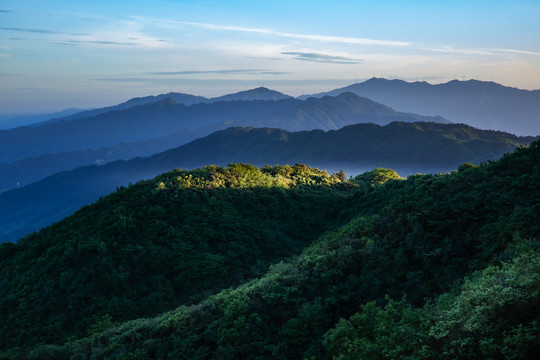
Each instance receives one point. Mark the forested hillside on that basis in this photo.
(432, 267)
(157, 244)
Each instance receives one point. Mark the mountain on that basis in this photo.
(31, 169)
(139, 123)
(125, 134)
(431, 267)
(260, 93)
(485, 105)
(185, 99)
(407, 147)
(265, 215)
(334, 112)
(12, 121)
(151, 121)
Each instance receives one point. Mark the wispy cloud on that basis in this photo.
(480, 51)
(101, 42)
(65, 44)
(521, 52)
(321, 58)
(454, 50)
(232, 71)
(41, 31)
(336, 39)
(126, 79)
(313, 37)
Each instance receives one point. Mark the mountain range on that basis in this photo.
(482, 104)
(146, 129)
(12, 121)
(407, 147)
(221, 243)
(260, 93)
(151, 125)
(101, 135)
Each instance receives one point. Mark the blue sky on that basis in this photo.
(61, 54)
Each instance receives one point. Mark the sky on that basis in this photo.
(86, 54)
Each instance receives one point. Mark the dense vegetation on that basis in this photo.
(436, 266)
(159, 244)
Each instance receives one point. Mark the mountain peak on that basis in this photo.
(167, 101)
(260, 93)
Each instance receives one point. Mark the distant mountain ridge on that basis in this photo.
(12, 121)
(406, 147)
(146, 129)
(260, 93)
(185, 99)
(486, 105)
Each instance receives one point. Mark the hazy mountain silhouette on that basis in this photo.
(28, 170)
(486, 105)
(334, 112)
(260, 93)
(180, 98)
(406, 147)
(139, 123)
(150, 128)
(12, 121)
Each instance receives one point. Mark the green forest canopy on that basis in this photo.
(435, 266)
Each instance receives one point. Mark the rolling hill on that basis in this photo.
(431, 267)
(407, 147)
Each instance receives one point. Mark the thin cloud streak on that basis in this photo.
(322, 38)
(321, 58)
(518, 51)
(452, 50)
(101, 42)
(485, 52)
(233, 71)
(344, 40)
(40, 31)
